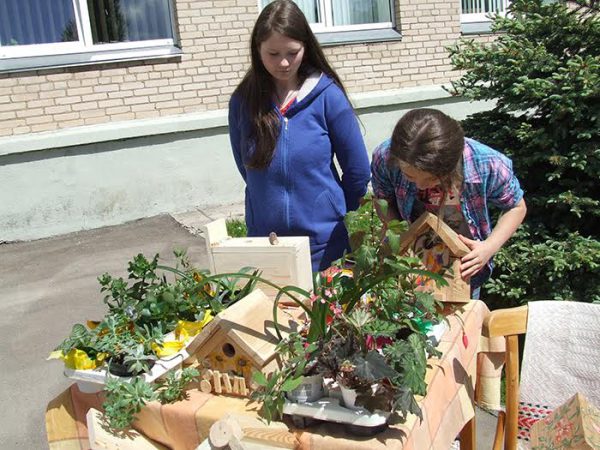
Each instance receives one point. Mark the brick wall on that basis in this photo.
(214, 38)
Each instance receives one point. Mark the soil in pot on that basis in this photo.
(117, 367)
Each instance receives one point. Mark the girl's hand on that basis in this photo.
(477, 258)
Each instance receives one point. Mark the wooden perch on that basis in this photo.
(240, 432)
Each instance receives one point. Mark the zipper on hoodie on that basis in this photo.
(284, 142)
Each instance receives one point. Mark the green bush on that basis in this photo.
(543, 71)
(236, 227)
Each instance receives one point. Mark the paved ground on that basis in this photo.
(49, 284)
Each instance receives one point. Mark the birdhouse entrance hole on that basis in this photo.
(228, 350)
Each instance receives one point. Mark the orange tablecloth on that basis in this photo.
(447, 407)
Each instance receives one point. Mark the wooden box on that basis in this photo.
(440, 250)
(286, 262)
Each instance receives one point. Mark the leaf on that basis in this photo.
(291, 384)
(356, 239)
(259, 378)
(373, 367)
(382, 207)
(393, 240)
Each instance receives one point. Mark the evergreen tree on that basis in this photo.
(543, 71)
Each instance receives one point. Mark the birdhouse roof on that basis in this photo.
(247, 324)
(428, 221)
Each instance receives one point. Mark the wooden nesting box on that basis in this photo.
(440, 250)
(242, 338)
(285, 262)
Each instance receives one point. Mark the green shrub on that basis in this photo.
(236, 227)
(543, 70)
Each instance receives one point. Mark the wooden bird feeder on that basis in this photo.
(440, 250)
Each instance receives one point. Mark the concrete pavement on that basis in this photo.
(48, 285)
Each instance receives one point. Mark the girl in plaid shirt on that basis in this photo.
(428, 164)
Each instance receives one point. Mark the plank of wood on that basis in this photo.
(101, 438)
(426, 221)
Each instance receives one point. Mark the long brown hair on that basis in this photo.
(257, 87)
(430, 141)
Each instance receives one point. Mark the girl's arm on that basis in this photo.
(383, 186)
(235, 133)
(482, 251)
(349, 147)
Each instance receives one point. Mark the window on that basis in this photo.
(117, 29)
(475, 14)
(345, 17)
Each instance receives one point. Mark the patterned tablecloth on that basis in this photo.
(448, 406)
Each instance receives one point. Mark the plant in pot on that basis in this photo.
(163, 305)
(366, 323)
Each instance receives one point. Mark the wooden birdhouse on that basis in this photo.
(440, 250)
(240, 340)
(283, 260)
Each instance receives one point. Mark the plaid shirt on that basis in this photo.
(488, 178)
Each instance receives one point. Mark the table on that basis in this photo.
(447, 408)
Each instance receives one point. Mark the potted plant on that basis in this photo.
(147, 322)
(366, 323)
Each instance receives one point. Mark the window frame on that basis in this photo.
(84, 51)
(326, 12)
(475, 23)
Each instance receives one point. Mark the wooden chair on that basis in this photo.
(509, 323)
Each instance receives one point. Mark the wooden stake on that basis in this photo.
(227, 383)
(217, 381)
(236, 386)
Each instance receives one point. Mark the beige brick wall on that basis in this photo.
(214, 38)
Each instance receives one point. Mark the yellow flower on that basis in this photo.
(92, 324)
(168, 348)
(185, 329)
(78, 359)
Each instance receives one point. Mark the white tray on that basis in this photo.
(94, 380)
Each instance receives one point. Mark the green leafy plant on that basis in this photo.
(236, 227)
(543, 72)
(364, 323)
(125, 398)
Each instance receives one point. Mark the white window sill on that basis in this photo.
(483, 27)
(82, 59)
(358, 36)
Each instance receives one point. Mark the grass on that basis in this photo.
(236, 227)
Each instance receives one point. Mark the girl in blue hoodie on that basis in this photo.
(288, 119)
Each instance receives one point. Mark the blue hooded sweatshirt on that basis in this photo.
(301, 193)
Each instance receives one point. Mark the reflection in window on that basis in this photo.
(355, 12)
(27, 22)
(329, 14)
(129, 20)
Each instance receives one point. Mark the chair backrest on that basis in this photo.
(561, 358)
(509, 323)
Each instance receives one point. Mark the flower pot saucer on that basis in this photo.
(93, 380)
(329, 409)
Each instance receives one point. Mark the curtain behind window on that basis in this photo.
(483, 6)
(310, 8)
(28, 22)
